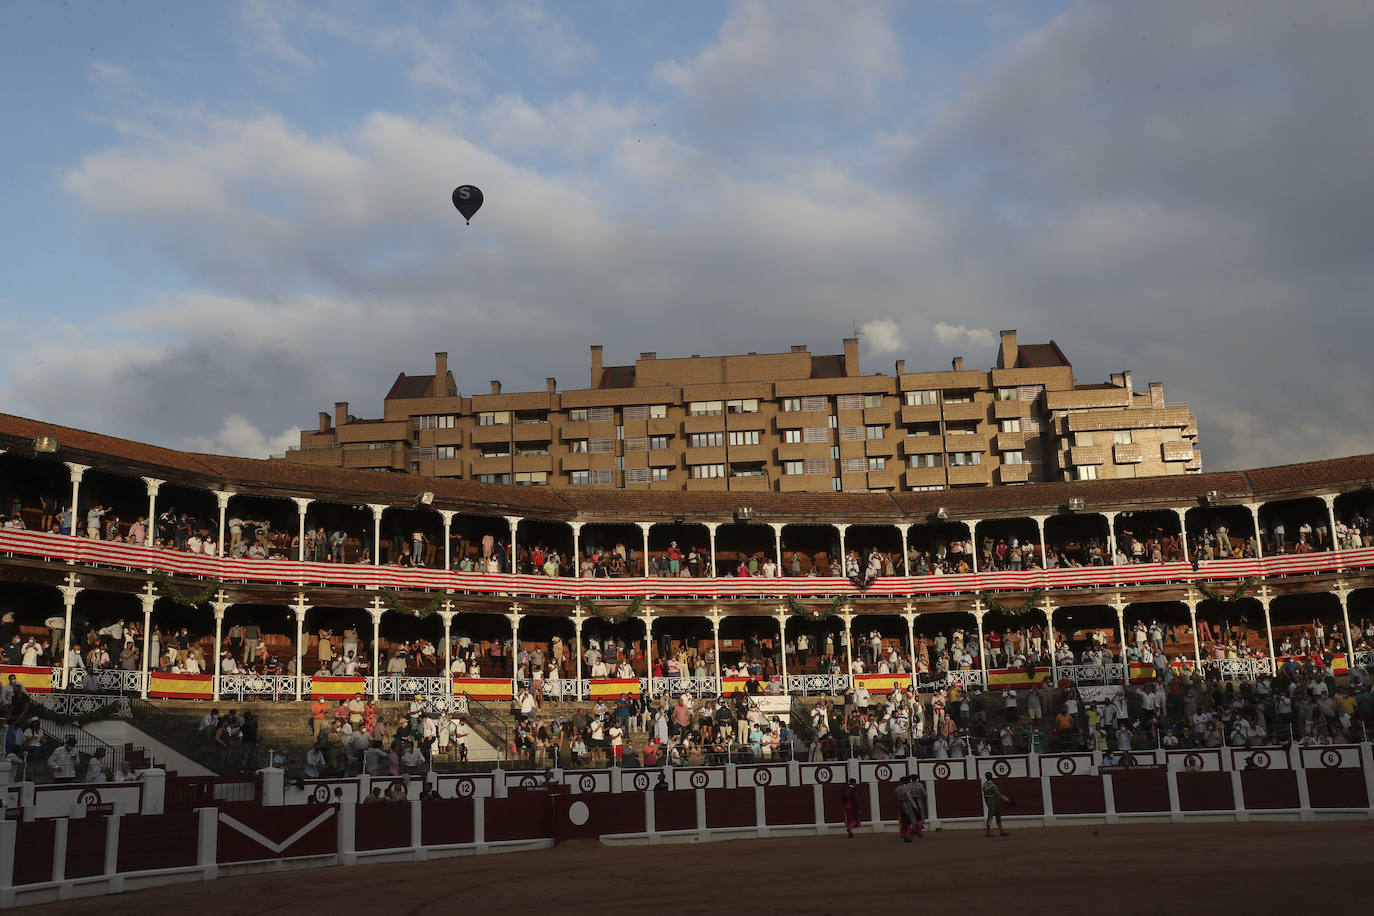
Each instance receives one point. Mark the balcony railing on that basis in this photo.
(83, 551)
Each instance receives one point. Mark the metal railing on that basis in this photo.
(486, 723)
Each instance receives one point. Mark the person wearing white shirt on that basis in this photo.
(95, 767)
(74, 659)
(32, 650)
(193, 544)
(192, 664)
(63, 762)
(227, 664)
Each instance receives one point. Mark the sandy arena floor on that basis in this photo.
(1215, 868)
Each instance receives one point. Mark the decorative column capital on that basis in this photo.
(301, 502)
(375, 608)
(152, 484)
(715, 614)
(645, 526)
(222, 497)
(513, 520)
(377, 510)
(447, 515)
(76, 470)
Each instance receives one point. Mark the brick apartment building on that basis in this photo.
(785, 422)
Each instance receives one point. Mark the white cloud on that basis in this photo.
(881, 336)
(956, 335)
(264, 21)
(238, 436)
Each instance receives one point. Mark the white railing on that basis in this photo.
(677, 686)
(817, 684)
(101, 680)
(1242, 669)
(259, 687)
(83, 704)
(344, 575)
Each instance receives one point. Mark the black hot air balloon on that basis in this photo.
(468, 200)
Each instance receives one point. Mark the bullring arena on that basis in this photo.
(1190, 726)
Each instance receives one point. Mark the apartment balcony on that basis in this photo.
(1007, 410)
(1128, 453)
(885, 448)
(662, 426)
(486, 435)
(924, 477)
(1080, 455)
(500, 464)
(798, 419)
(533, 432)
(746, 421)
(448, 467)
(969, 475)
(923, 445)
(373, 458)
(746, 454)
(704, 424)
(886, 479)
(1176, 451)
(962, 412)
(798, 483)
(1011, 442)
(709, 484)
(758, 484)
(712, 454)
(877, 416)
(534, 463)
(1013, 473)
(579, 462)
(920, 413)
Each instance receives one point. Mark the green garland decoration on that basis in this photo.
(394, 603)
(1031, 606)
(99, 714)
(1241, 592)
(606, 617)
(796, 608)
(188, 599)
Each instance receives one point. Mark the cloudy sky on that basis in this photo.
(221, 218)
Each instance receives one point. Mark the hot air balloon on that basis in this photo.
(468, 200)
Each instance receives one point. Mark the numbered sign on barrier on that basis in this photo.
(699, 778)
(763, 776)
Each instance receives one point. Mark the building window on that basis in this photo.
(658, 443)
(578, 478)
(742, 405)
(961, 429)
(873, 400)
(793, 467)
(745, 437)
(440, 421)
(1087, 472)
(531, 478)
(958, 397)
(658, 411)
(637, 444)
(494, 418)
(960, 459)
(578, 416)
(924, 461)
(494, 478)
(1082, 438)
(444, 452)
(705, 408)
(577, 446)
(705, 440)
(706, 471)
(1017, 457)
(746, 470)
(532, 451)
(658, 473)
(602, 446)
(922, 398)
(835, 484)
(1011, 426)
(496, 451)
(532, 417)
(1122, 437)
(791, 404)
(929, 489)
(834, 453)
(877, 463)
(791, 436)
(874, 432)
(923, 430)
(1006, 394)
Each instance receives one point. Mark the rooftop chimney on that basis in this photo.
(901, 366)
(340, 414)
(324, 422)
(551, 384)
(596, 365)
(495, 386)
(957, 364)
(440, 375)
(799, 348)
(1117, 380)
(1006, 357)
(649, 355)
(1128, 383)
(851, 356)
(1156, 394)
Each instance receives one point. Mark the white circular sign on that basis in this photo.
(578, 812)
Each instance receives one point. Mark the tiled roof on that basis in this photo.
(1040, 356)
(411, 386)
(249, 475)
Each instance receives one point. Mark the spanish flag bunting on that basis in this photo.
(483, 688)
(614, 687)
(181, 686)
(883, 683)
(1015, 678)
(35, 680)
(336, 688)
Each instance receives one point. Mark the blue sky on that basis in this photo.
(222, 217)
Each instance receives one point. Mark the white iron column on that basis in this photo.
(514, 522)
(1120, 606)
(514, 617)
(302, 502)
(973, 546)
(152, 483)
(780, 613)
(716, 614)
(147, 598)
(375, 611)
(844, 556)
(446, 615)
(1259, 541)
(847, 615)
(1265, 597)
(1183, 531)
(377, 510)
(644, 527)
(979, 609)
(777, 542)
(76, 471)
(447, 515)
(1193, 599)
(69, 593)
(577, 552)
(1342, 593)
(711, 535)
(905, 530)
(1111, 536)
(222, 497)
(909, 613)
(1044, 556)
(648, 614)
(219, 606)
(1048, 605)
(300, 607)
(1330, 500)
(578, 619)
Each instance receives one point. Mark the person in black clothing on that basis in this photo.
(250, 741)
